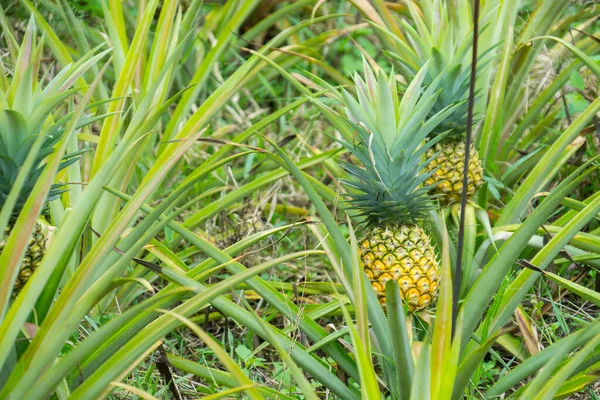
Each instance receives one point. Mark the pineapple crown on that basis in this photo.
(391, 146)
(442, 36)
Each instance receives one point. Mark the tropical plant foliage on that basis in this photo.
(178, 164)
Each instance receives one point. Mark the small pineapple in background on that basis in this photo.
(388, 185)
(448, 155)
(443, 42)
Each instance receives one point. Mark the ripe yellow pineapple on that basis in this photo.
(388, 185)
(403, 253)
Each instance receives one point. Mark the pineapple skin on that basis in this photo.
(36, 249)
(403, 253)
(448, 178)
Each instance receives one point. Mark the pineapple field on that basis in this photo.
(299, 199)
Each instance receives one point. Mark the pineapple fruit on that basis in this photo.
(388, 184)
(440, 42)
(404, 253)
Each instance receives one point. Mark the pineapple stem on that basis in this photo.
(465, 183)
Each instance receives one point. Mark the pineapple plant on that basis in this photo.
(28, 135)
(388, 188)
(15, 144)
(446, 45)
